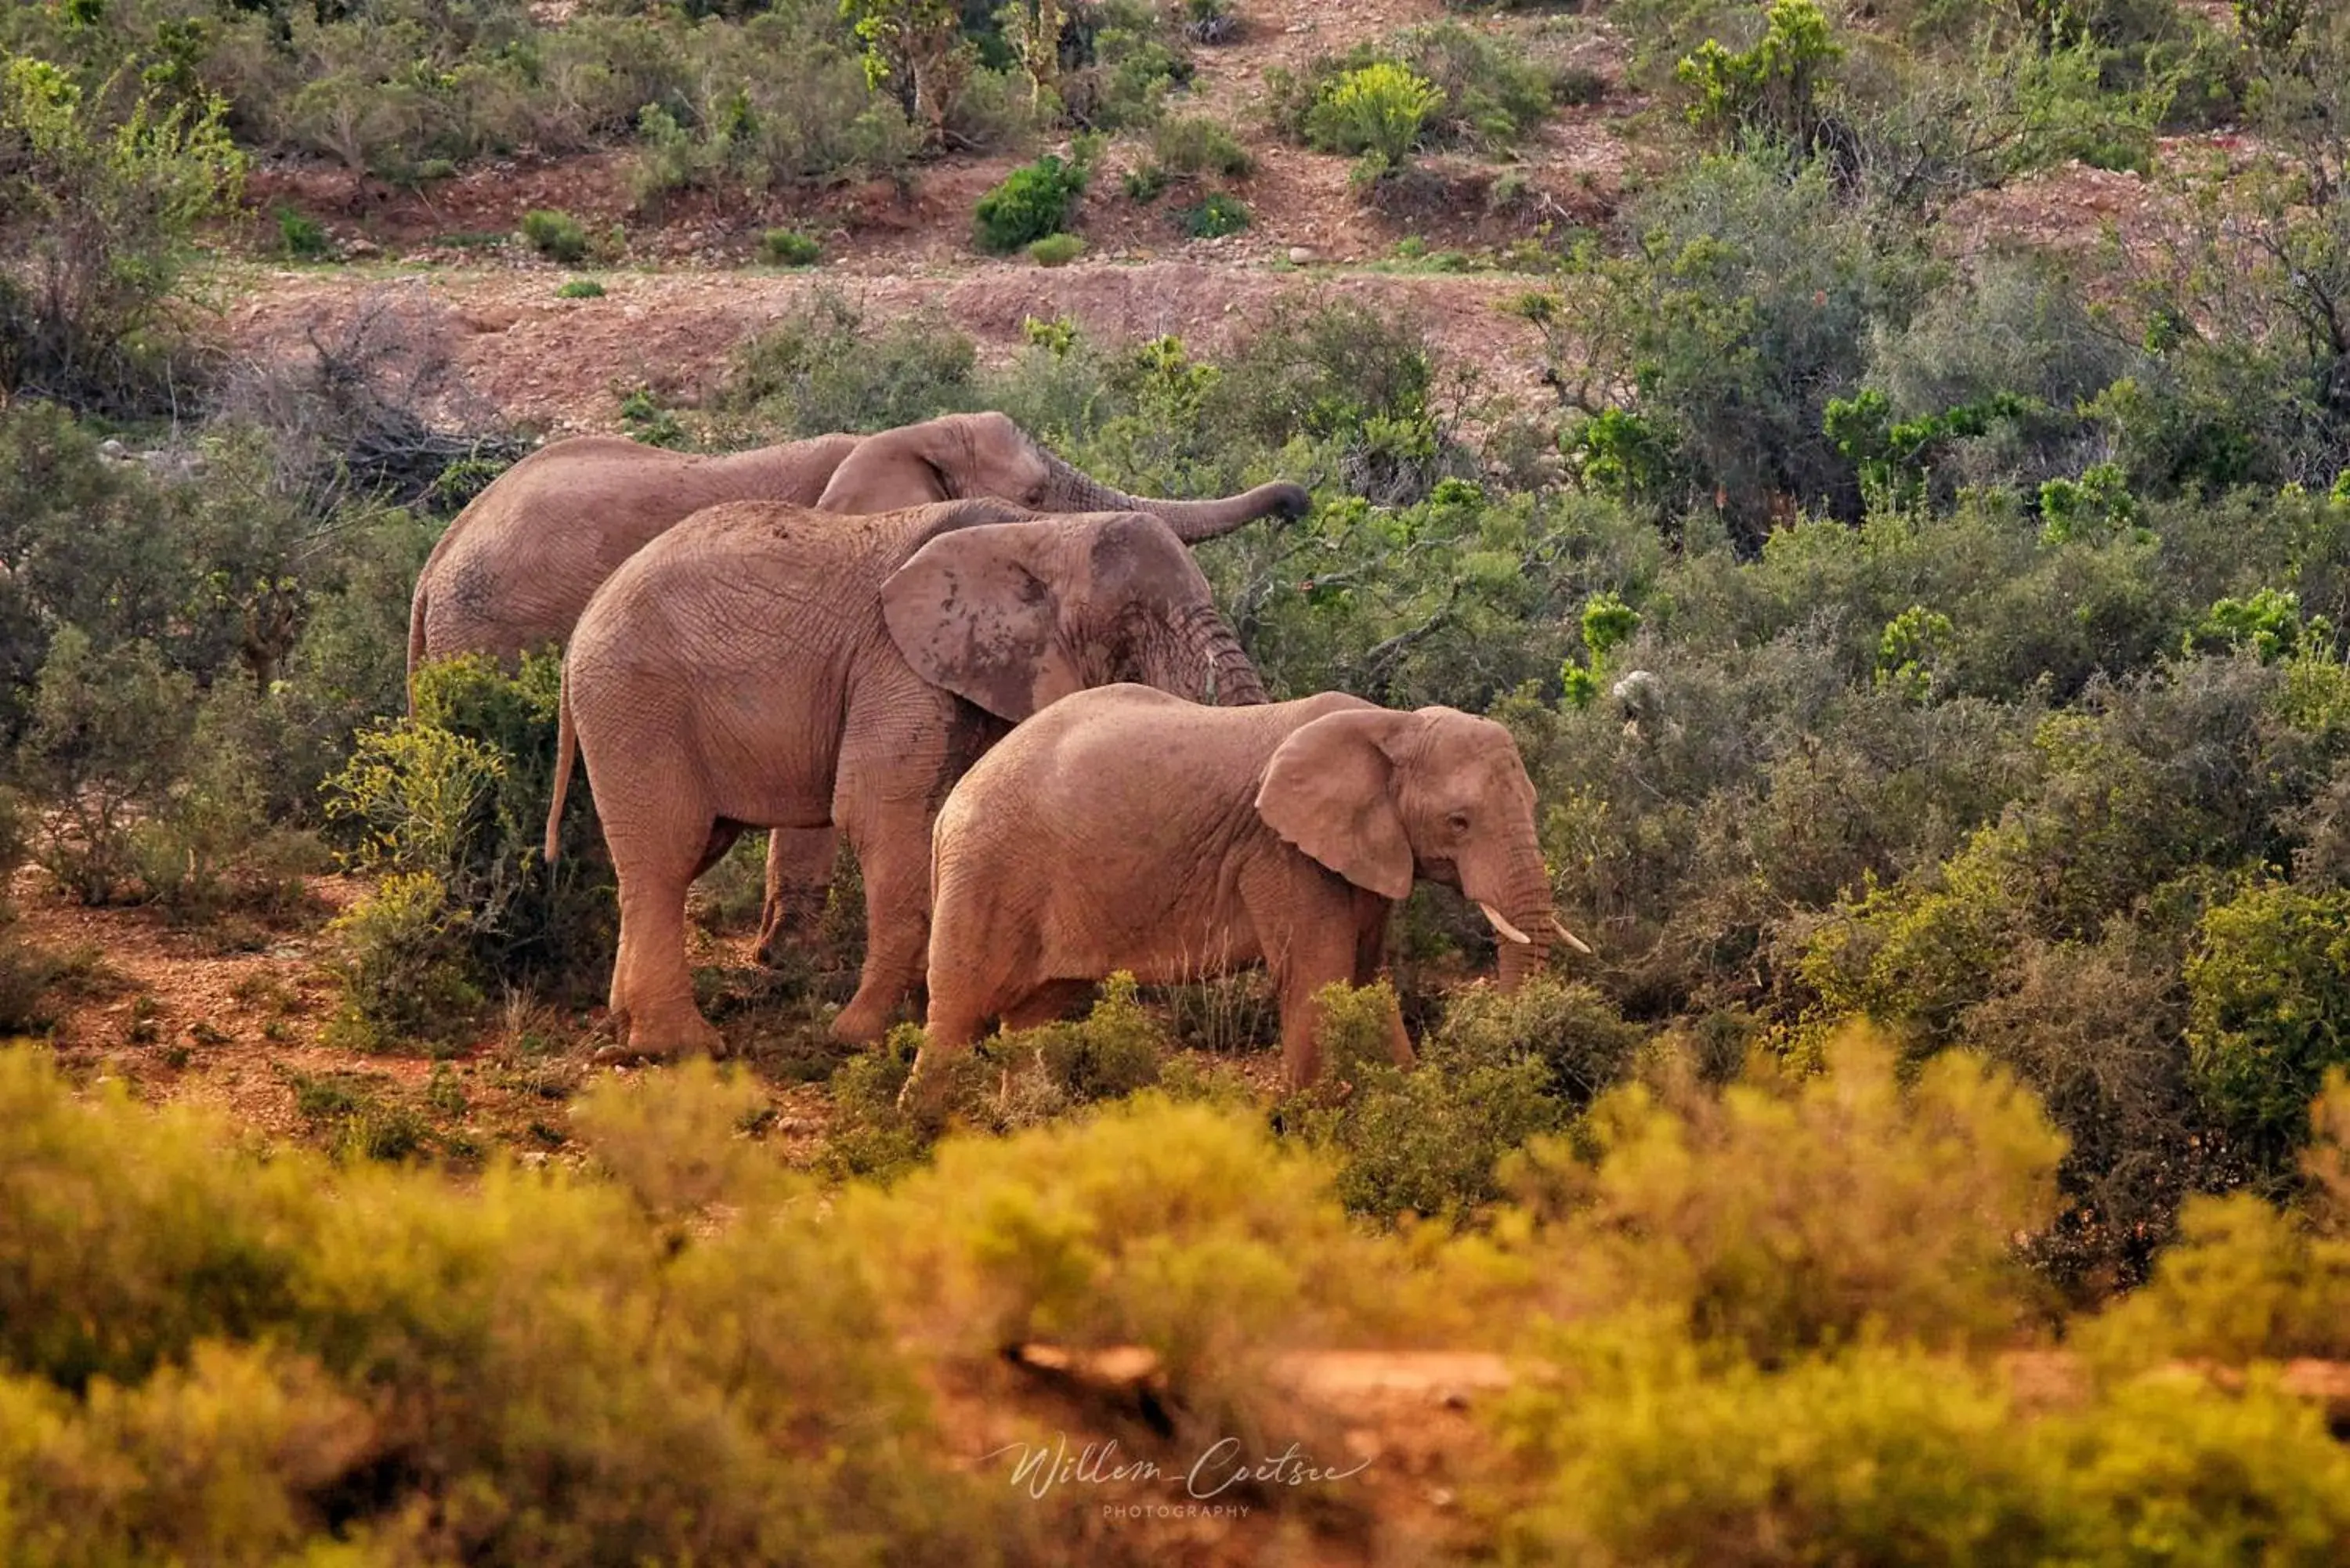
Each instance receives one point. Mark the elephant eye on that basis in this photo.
(1457, 821)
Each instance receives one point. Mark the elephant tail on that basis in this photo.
(415, 642)
(566, 746)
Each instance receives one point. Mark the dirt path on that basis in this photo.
(565, 363)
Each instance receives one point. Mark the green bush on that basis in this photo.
(1115, 1051)
(211, 848)
(301, 237)
(789, 248)
(1476, 89)
(1195, 144)
(1743, 310)
(1646, 1453)
(455, 797)
(109, 735)
(1770, 92)
(1375, 112)
(102, 193)
(773, 102)
(2269, 1009)
(821, 368)
(1425, 1140)
(556, 236)
(579, 288)
(2242, 1283)
(1181, 1229)
(1583, 1046)
(402, 958)
(1633, 1459)
(1056, 250)
(1035, 201)
(1215, 217)
(1121, 60)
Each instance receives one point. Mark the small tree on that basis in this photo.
(95, 221)
(109, 734)
(1770, 91)
(917, 49)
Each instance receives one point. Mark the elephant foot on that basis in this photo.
(864, 1020)
(924, 1095)
(664, 1040)
(778, 950)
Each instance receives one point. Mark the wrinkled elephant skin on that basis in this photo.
(1122, 829)
(766, 665)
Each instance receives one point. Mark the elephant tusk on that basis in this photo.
(1502, 926)
(1577, 943)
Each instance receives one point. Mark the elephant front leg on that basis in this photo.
(799, 876)
(1313, 959)
(897, 867)
(1371, 913)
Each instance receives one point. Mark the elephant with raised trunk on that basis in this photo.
(1123, 829)
(766, 666)
(519, 565)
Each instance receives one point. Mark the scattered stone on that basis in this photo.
(1301, 256)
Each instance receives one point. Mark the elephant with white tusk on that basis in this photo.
(518, 568)
(766, 666)
(1123, 829)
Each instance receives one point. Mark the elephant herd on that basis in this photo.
(834, 634)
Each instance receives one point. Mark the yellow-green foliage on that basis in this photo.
(1116, 1051)
(2245, 1282)
(1646, 1455)
(679, 1141)
(1426, 1141)
(1782, 1216)
(1377, 110)
(1178, 1226)
(459, 791)
(202, 1354)
(1580, 1037)
(1012, 1081)
(1914, 956)
(400, 953)
(2171, 1472)
(1643, 1451)
(2269, 1007)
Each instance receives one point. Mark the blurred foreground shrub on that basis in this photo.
(1785, 1216)
(1644, 1453)
(209, 1357)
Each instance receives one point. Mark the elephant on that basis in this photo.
(518, 566)
(1125, 829)
(769, 666)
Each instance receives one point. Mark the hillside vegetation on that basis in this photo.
(1921, 609)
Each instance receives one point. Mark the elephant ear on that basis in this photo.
(944, 459)
(905, 467)
(978, 612)
(1330, 790)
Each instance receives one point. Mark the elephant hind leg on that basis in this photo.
(799, 876)
(652, 988)
(723, 834)
(1048, 1003)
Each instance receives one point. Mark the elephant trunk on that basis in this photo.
(1521, 912)
(1191, 521)
(1223, 673)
